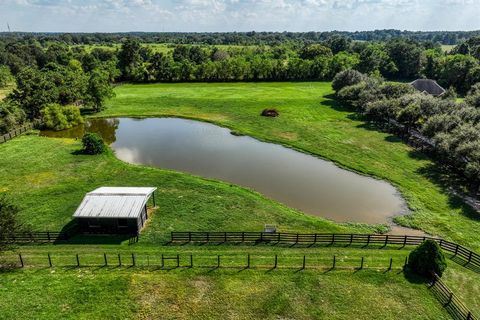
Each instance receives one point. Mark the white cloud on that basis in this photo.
(239, 15)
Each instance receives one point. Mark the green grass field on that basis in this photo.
(47, 179)
(311, 121)
(222, 294)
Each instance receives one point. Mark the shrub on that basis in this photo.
(57, 117)
(11, 116)
(92, 144)
(347, 78)
(427, 258)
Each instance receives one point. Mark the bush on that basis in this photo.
(11, 116)
(269, 113)
(57, 117)
(347, 78)
(426, 259)
(93, 144)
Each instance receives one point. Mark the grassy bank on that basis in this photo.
(310, 120)
(87, 293)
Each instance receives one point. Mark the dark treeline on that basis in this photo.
(450, 130)
(245, 38)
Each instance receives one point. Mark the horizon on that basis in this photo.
(121, 16)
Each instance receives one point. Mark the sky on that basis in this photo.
(237, 15)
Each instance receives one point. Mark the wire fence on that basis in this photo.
(172, 260)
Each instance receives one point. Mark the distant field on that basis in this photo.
(156, 47)
(448, 47)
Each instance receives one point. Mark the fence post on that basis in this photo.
(208, 236)
(351, 238)
(469, 316)
(390, 266)
(386, 241)
(21, 259)
(456, 250)
(248, 261)
(105, 259)
(296, 241)
(49, 260)
(191, 261)
(368, 240)
(243, 236)
(224, 237)
(189, 237)
(218, 261)
(119, 260)
(133, 259)
(276, 262)
(304, 262)
(178, 260)
(334, 262)
(470, 256)
(48, 236)
(404, 240)
(315, 238)
(450, 297)
(163, 262)
(333, 238)
(78, 260)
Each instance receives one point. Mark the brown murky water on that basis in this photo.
(301, 181)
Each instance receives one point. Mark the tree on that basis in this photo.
(98, 90)
(8, 219)
(11, 116)
(347, 78)
(93, 144)
(315, 50)
(426, 259)
(129, 58)
(407, 56)
(5, 76)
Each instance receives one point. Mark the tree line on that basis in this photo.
(55, 80)
(448, 129)
(243, 38)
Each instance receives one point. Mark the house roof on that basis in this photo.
(114, 202)
(428, 86)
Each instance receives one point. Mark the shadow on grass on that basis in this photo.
(412, 277)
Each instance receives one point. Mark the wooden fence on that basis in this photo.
(14, 133)
(40, 237)
(457, 250)
(450, 301)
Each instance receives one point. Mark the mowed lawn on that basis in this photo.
(93, 293)
(311, 120)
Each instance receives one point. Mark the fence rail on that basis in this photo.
(14, 133)
(457, 250)
(450, 301)
(43, 236)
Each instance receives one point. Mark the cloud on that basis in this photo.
(239, 15)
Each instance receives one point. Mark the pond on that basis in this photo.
(299, 180)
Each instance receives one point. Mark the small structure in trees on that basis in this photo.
(114, 210)
(428, 86)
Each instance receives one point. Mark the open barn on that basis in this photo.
(114, 210)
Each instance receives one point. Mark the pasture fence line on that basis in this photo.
(457, 250)
(15, 133)
(449, 300)
(173, 260)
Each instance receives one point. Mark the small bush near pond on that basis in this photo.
(270, 113)
(93, 144)
(426, 259)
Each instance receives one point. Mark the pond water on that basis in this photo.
(301, 181)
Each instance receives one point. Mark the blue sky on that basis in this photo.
(238, 15)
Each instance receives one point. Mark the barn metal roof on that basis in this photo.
(114, 202)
